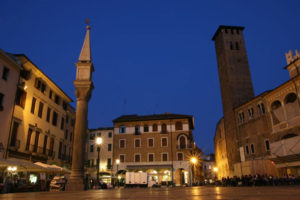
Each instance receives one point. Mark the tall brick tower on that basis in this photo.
(235, 82)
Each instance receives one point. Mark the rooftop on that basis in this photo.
(221, 27)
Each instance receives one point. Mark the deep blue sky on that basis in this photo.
(151, 56)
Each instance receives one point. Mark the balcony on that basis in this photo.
(185, 146)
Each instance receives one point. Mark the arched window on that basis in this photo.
(182, 142)
(154, 127)
(275, 105)
(289, 135)
(290, 98)
(178, 126)
(163, 128)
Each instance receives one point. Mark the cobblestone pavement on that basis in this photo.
(182, 193)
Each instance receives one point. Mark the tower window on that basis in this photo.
(231, 45)
(267, 143)
(241, 117)
(252, 148)
(251, 113)
(237, 46)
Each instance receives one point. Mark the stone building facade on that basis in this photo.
(106, 153)
(161, 145)
(265, 128)
(9, 72)
(43, 121)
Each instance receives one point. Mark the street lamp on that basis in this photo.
(98, 142)
(215, 169)
(193, 161)
(117, 162)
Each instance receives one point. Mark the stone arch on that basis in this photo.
(291, 106)
(277, 112)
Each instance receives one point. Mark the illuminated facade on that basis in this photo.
(43, 121)
(258, 134)
(161, 145)
(106, 153)
(9, 79)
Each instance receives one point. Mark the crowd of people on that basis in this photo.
(259, 180)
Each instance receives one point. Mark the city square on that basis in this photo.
(191, 193)
(149, 100)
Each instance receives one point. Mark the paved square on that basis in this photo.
(191, 193)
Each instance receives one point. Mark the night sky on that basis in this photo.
(152, 56)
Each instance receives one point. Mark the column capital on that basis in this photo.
(83, 90)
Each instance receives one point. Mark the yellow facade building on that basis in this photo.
(43, 121)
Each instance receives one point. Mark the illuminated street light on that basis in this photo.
(193, 162)
(118, 162)
(215, 169)
(98, 142)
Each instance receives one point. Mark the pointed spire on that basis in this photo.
(85, 54)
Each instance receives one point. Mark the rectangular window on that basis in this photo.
(122, 143)
(252, 148)
(267, 143)
(92, 136)
(146, 128)
(33, 105)
(164, 157)
(40, 113)
(108, 163)
(57, 99)
(36, 141)
(109, 147)
(179, 156)
(67, 119)
(241, 117)
(150, 142)
(110, 134)
(21, 98)
(164, 142)
(43, 87)
(122, 129)
(54, 118)
(122, 158)
(137, 158)
(1, 101)
(14, 134)
(92, 148)
(71, 135)
(251, 113)
(150, 157)
(51, 147)
(48, 114)
(137, 130)
(247, 149)
(64, 105)
(28, 139)
(50, 94)
(45, 144)
(62, 123)
(66, 134)
(137, 143)
(38, 83)
(5, 73)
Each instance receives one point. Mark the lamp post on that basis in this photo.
(193, 162)
(98, 142)
(117, 162)
(216, 171)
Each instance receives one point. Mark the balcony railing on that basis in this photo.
(185, 146)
